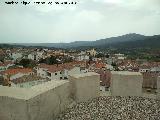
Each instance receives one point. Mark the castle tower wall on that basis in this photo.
(124, 83)
(85, 86)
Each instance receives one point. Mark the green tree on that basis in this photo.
(27, 63)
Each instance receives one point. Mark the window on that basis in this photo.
(55, 73)
(48, 74)
(65, 78)
(60, 72)
(60, 78)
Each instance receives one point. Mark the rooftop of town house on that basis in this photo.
(56, 67)
(145, 67)
(145, 74)
(27, 78)
(17, 70)
(150, 64)
(128, 63)
(100, 65)
(60, 67)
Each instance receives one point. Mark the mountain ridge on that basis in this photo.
(122, 38)
(120, 41)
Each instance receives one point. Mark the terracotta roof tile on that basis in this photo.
(60, 67)
(17, 70)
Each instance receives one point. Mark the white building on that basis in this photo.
(155, 69)
(16, 55)
(35, 55)
(120, 56)
(109, 67)
(59, 72)
(32, 56)
(144, 69)
(82, 57)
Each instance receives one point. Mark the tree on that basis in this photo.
(27, 63)
(49, 60)
(100, 55)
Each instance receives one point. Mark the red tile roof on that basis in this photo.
(129, 65)
(149, 65)
(17, 70)
(60, 67)
(100, 65)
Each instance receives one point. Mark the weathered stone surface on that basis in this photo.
(85, 86)
(124, 83)
(45, 101)
(114, 108)
(41, 102)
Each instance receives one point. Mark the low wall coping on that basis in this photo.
(28, 93)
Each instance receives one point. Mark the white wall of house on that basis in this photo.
(109, 61)
(144, 70)
(84, 70)
(42, 72)
(83, 57)
(9, 65)
(31, 56)
(155, 69)
(15, 56)
(109, 67)
(56, 75)
(39, 55)
(59, 74)
(65, 74)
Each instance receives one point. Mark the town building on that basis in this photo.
(61, 71)
(5, 65)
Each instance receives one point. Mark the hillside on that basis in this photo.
(123, 38)
(124, 41)
(148, 42)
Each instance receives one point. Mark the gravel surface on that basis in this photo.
(114, 108)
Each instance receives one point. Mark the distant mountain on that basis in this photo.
(128, 40)
(123, 38)
(148, 42)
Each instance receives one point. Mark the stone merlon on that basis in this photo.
(124, 83)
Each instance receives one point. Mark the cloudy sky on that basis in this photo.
(87, 20)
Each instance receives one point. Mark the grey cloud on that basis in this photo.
(88, 20)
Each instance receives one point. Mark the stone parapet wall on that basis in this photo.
(85, 86)
(47, 100)
(125, 83)
(41, 102)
